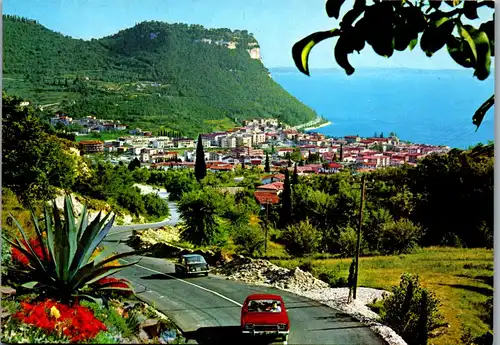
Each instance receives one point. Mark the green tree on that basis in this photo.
(286, 202)
(267, 167)
(249, 239)
(302, 238)
(200, 211)
(396, 25)
(400, 237)
(33, 161)
(134, 163)
(155, 206)
(295, 177)
(200, 168)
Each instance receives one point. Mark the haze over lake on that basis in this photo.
(423, 106)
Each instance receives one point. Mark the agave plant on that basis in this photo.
(66, 266)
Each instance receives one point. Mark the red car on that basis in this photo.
(265, 314)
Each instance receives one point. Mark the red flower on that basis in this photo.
(115, 282)
(76, 322)
(38, 248)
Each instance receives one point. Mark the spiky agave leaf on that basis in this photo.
(33, 258)
(86, 243)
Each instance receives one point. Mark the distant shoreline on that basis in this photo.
(319, 126)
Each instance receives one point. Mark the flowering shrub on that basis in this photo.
(38, 248)
(75, 322)
(115, 283)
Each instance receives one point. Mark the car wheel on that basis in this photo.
(205, 274)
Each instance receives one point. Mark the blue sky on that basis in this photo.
(276, 24)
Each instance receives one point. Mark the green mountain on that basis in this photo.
(182, 77)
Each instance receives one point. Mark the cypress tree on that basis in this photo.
(267, 167)
(286, 202)
(295, 177)
(243, 163)
(341, 152)
(289, 162)
(200, 168)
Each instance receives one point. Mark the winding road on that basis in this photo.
(207, 309)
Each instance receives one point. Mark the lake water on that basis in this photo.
(423, 106)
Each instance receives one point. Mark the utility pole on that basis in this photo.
(267, 225)
(358, 244)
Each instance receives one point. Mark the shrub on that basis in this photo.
(411, 311)
(250, 240)
(306, 266)
(155, 206)
(333, 277)
(400, 237)
(345, 242)
(302, 238)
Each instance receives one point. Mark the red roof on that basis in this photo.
(272, 186)
(264, 197)
(334, 166)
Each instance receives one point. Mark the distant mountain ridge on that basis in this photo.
(179, 76)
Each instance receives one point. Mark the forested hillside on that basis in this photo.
(154, 74)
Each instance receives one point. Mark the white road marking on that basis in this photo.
(182, 280)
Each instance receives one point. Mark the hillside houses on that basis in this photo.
(88, 124)
(247, 145)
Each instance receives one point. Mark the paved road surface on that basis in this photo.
(207, 309)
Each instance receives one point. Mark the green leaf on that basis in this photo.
(333, 8)
(83, 222)
(483, 62)
(70, 228)
(413, 43)
(301, 49)
(480, 45)
(460, 52)
(489, 29)
(19, 246)
(470, 10)
(434, 4)
(39, 236)
(97, 300)
(340, 52)
(103, 272)
(115, 257)
(50, 237)
(478, 117)
(436, 35)
(29, 285)
(61, 245)
(415, 19)
(34, 258)
(353, 14)
(464, 33)
(379, 25)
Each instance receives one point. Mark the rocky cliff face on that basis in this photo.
(254, 53)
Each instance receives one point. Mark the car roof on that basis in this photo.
(191, 256)
(264, 296)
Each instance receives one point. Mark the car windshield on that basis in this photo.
(264, 305)
(195, 260)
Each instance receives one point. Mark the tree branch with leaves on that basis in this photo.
(397, 25)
